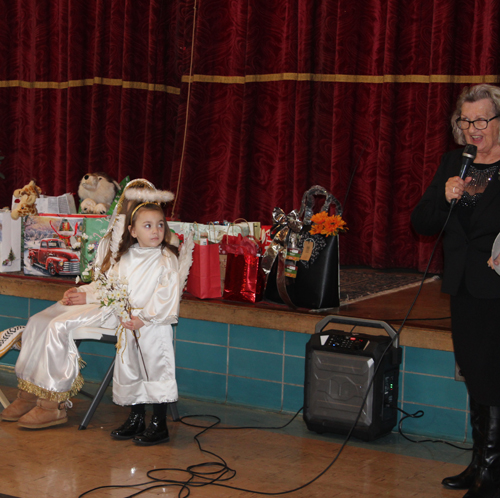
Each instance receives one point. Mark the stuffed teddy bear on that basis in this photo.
(25, 200)
(97, 191)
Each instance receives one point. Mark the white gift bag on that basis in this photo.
(10, 243)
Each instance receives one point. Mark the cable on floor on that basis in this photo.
(420, 414)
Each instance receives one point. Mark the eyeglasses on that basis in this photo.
(479, 124)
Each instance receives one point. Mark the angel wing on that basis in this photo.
(186, 258)
(116, 236)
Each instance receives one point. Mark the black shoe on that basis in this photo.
(487, 481)
(156, 433)
(466, 479)
(134, 425)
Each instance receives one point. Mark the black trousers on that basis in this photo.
(476, 341)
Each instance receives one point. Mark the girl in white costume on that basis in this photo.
(48, 367)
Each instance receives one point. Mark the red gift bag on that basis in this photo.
(204, 276)
(244, 277)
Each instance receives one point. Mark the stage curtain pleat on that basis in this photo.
(85, 87)
(240, 106)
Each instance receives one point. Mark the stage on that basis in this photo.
(253, 354)
(428, 325)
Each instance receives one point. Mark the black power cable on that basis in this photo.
(420, 414)
(218, 473)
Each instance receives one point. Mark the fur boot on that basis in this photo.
(22, 405)
(45, 414)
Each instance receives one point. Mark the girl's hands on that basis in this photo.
(72, 297)
(135, 323)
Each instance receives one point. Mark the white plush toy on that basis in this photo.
(97, 191)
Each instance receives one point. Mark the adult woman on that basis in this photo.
(474, 288)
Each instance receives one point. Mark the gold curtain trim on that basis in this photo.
(343, 78)
(27, 386)
(63, 85)
(256, 78)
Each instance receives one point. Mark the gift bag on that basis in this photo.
(93, 230)
(302, 262)
(204, 277)
(10, 243)
(52, 244)
(244, 277)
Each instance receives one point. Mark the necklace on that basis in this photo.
(480, 180)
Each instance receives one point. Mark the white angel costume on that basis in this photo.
(49, 362)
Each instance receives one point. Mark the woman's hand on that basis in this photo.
(135, 323)
(455, 186)
(492, 263)
(72, 296)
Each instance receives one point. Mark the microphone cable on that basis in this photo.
(219, 472)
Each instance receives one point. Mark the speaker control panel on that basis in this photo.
(344, 342)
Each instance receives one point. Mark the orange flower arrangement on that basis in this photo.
(327, 225)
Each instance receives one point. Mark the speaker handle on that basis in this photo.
(363, 322)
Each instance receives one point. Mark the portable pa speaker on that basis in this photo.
(340, 367)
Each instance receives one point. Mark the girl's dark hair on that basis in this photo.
(127, 239)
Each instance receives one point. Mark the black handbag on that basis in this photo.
(316, 283)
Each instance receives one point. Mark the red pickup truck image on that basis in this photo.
(55, 257)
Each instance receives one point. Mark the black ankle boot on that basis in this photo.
(134, 425)
(487, 481)
(157, 432)
(465, 479)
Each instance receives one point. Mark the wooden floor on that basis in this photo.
(66, 462)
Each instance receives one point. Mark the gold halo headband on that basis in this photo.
(141, 205)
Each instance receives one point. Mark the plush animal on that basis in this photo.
(97, 191)
(25, 200)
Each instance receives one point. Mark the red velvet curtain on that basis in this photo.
(87, 85)
(241, 106)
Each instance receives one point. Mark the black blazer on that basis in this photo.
(465, 254)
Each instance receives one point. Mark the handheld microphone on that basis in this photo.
(468, 156)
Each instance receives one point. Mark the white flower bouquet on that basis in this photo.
(111, 291)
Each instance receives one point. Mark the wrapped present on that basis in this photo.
(180, 228)
(62, 204)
